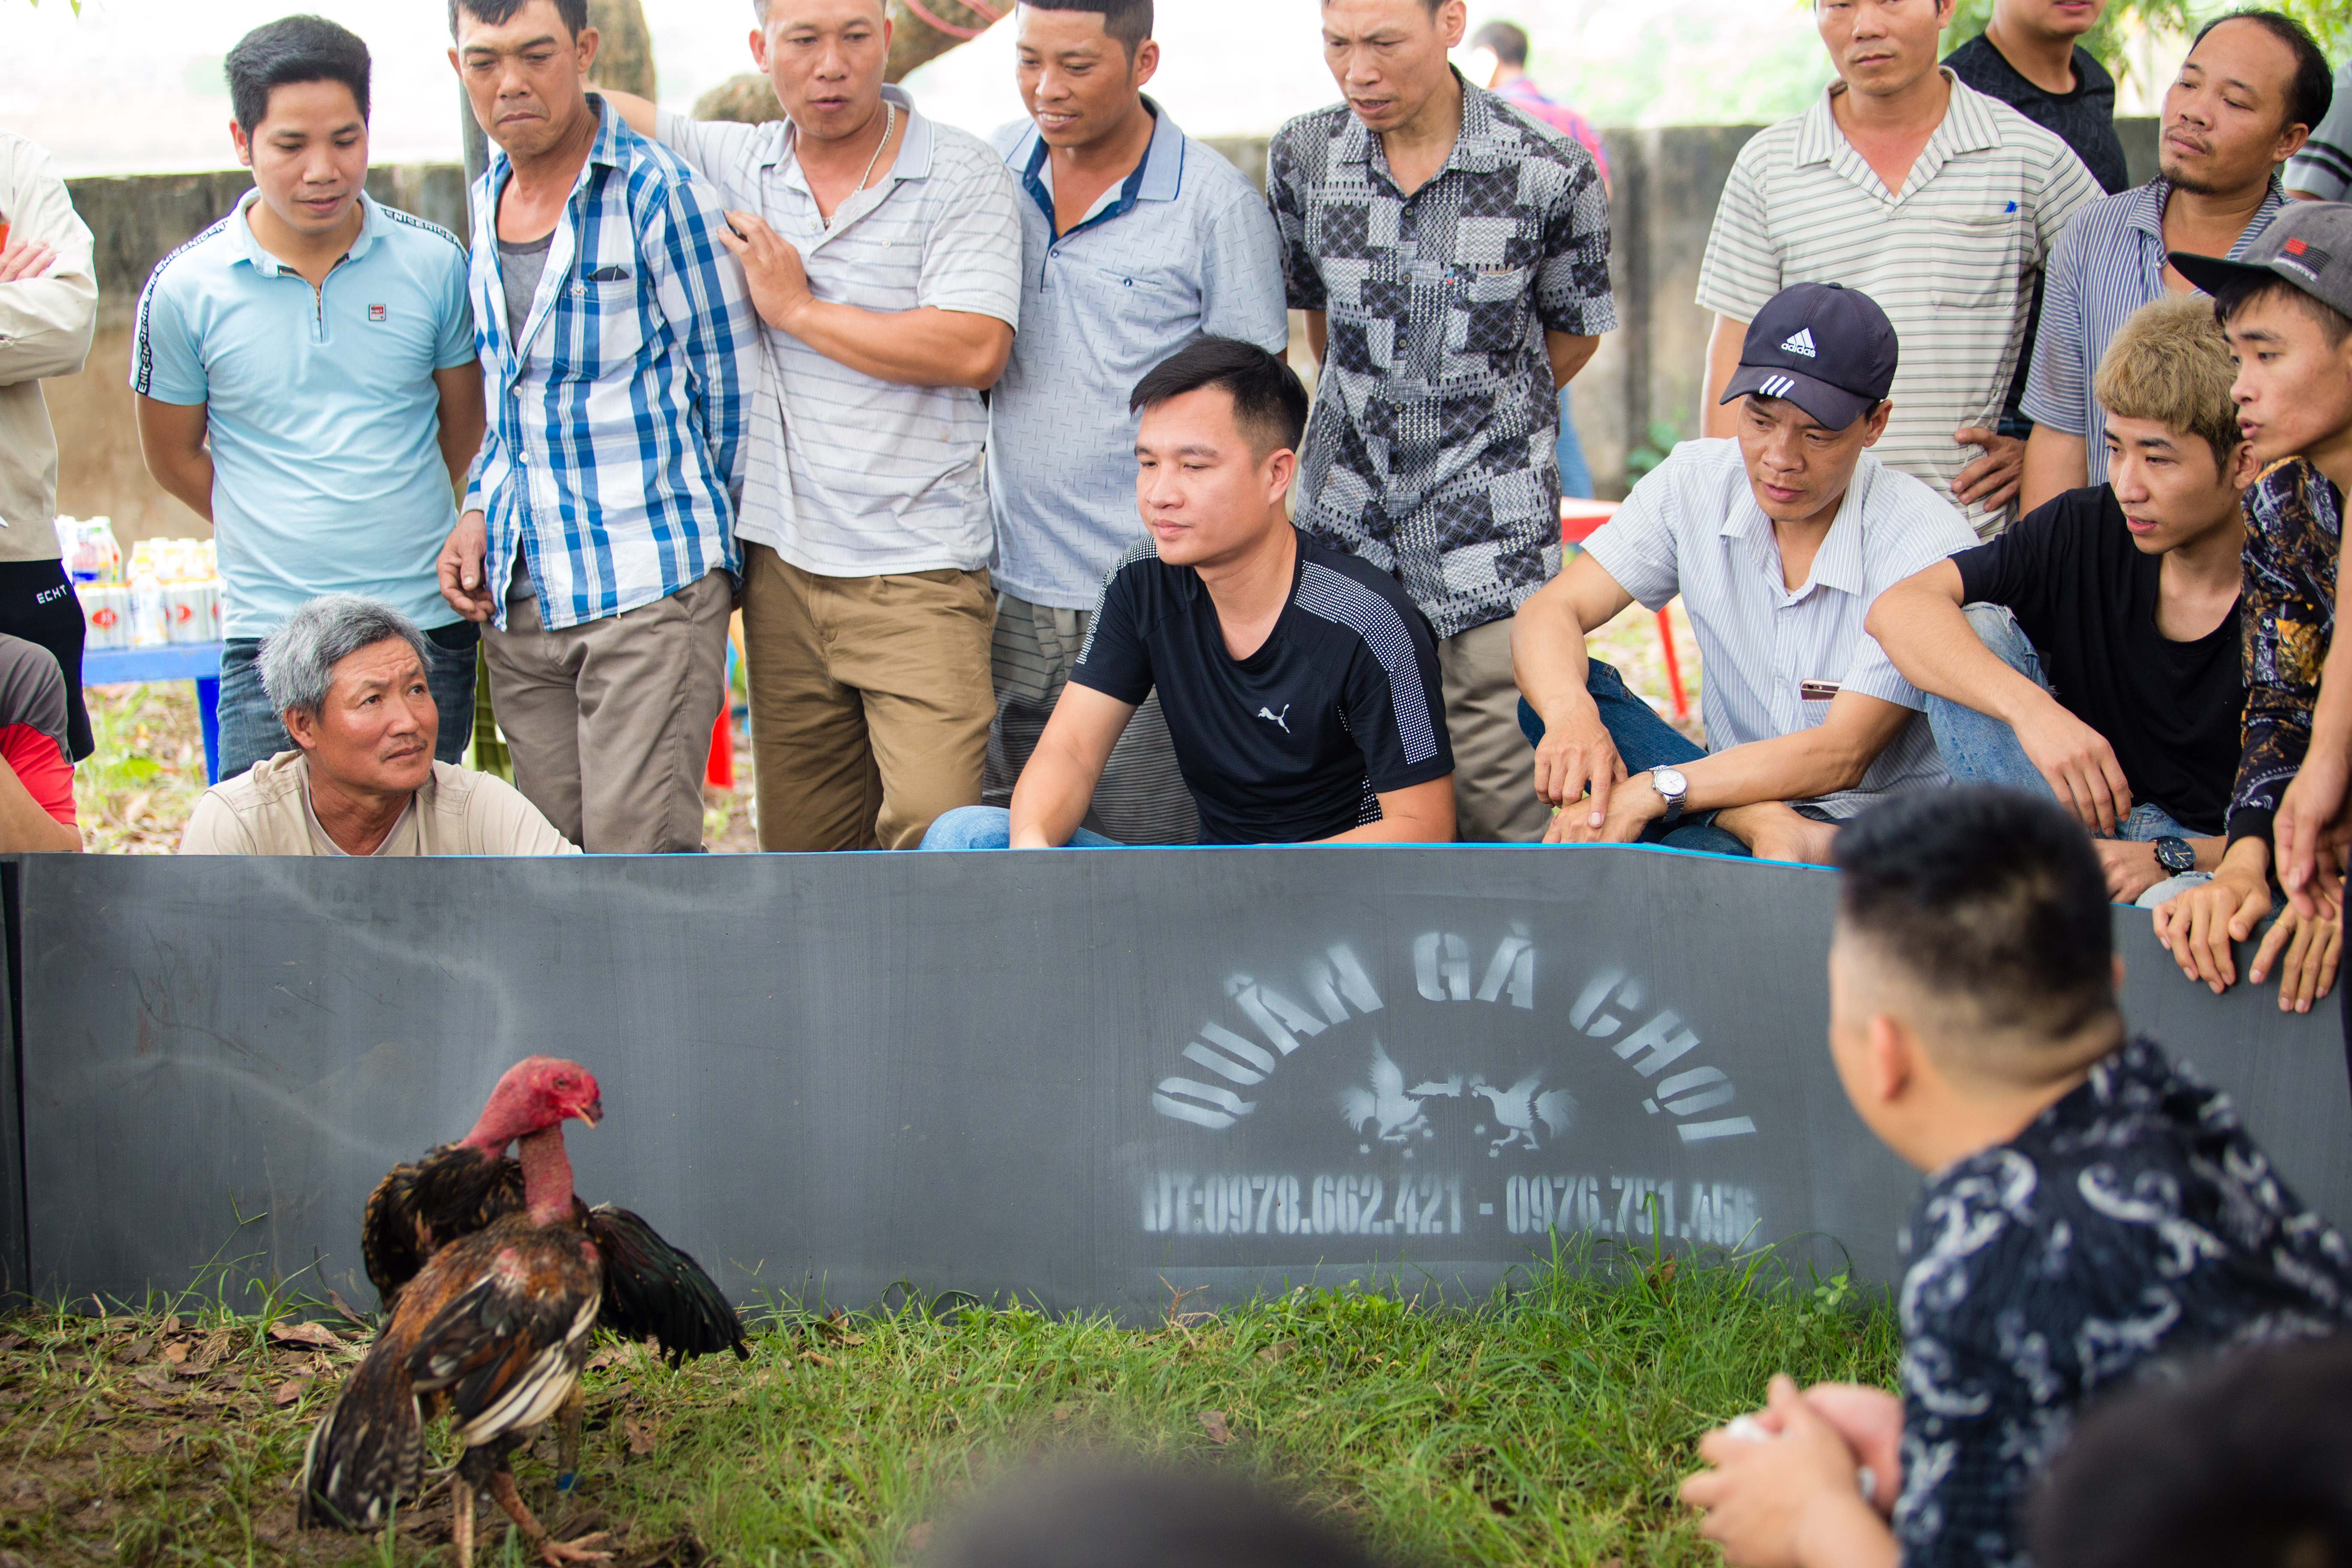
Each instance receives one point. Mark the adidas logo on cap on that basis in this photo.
(1803, 344)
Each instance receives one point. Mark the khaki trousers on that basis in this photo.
(609, 722)
(871, 702)
(1493, 767)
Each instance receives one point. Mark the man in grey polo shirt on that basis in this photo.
(1135, 240)
(884, 257)
(1778, 542)
(1938, 202)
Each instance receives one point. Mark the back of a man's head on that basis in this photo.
(1505, 41)
(1981, 918)
(1093, 1518)
(1269, 403)
(2247, 1463)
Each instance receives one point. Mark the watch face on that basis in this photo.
(2175, 854)
(1669, 784)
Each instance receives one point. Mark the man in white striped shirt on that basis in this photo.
(1939, 202)
(1778, 542)
(883, 252)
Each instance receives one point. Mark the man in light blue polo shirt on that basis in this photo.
(306, 382)
(1135, 239)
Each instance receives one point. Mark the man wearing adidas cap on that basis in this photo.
(2287, 310)
(1778, 539)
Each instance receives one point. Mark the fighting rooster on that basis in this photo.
(496, 1275)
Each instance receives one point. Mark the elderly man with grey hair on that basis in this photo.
(347, 675)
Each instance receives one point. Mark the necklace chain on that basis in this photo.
(889, 124)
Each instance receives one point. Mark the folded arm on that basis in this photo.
(1055, 790)
(49, 287)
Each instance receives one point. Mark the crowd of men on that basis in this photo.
(2012, 474)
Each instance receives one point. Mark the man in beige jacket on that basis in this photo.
(49, 305)
(348, 676)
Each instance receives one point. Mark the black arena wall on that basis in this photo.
(1083, 1079)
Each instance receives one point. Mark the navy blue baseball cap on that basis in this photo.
(1826, 347)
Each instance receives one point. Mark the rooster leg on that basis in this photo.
(461, 1520)
(567, 1440)
(554, 1553)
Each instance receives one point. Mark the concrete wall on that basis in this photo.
(1646, 372)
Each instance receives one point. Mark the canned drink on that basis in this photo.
(186, 616)
(147, 625)
(211, 589)
(105, 615)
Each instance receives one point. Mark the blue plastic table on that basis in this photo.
(197, 661)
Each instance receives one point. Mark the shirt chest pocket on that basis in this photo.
(602, 321)
(1144, 304)
(1489, 311)
(1975, 259)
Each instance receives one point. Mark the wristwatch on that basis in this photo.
(2175, 854)
(1673, 788)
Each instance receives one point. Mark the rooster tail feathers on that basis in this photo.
(654, 1290)
(367, 1453)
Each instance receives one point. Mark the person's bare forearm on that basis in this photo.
(2055, 463)
(25, 827)
(923, 347)
(187, 477)
(1549, 661)
(1418, 814)
(1051, 797)
(1930, 640)
(1797, 766)
(1319, 333)
(1568, 353)
(1723, 345)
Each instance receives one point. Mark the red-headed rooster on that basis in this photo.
(494, 1274)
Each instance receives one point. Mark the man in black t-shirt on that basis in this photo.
(2028, 59)
(2098, 659)
(1300, 685)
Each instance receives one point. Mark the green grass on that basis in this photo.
(1547, 1424)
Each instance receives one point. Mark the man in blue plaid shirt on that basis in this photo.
(598, 532)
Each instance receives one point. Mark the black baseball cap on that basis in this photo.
(1826, 347)
(2308, 245)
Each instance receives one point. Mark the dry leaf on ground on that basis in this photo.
(1213, 1422)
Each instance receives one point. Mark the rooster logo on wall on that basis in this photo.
(1398, 1116)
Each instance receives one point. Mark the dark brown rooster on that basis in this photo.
(438, 1239)
(493, 1331)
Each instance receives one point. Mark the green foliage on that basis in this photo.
(1547, 1424)
(1661, 438)
(2330, 22)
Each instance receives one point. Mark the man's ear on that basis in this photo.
(1890, 1059)
(1147, 63)
(587, 44)
(1874, 423)
(2244, 468)
(1279, 469)
(303, 727)
(242, 143)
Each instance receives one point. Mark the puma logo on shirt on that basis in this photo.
(1282, 717)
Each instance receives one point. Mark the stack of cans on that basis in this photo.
(171, 593)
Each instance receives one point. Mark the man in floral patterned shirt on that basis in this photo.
(2287, 311)
(2091, 1210)
(1452, 262)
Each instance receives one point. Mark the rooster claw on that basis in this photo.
(556, 1553)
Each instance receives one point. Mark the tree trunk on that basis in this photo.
(625, 58)
(914, 41)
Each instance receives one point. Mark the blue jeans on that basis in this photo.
(251, 731)
(1980, 749)
(991, 827)
(1645, 741)
(1575, 473)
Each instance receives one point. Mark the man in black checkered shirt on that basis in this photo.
(1452, 256)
